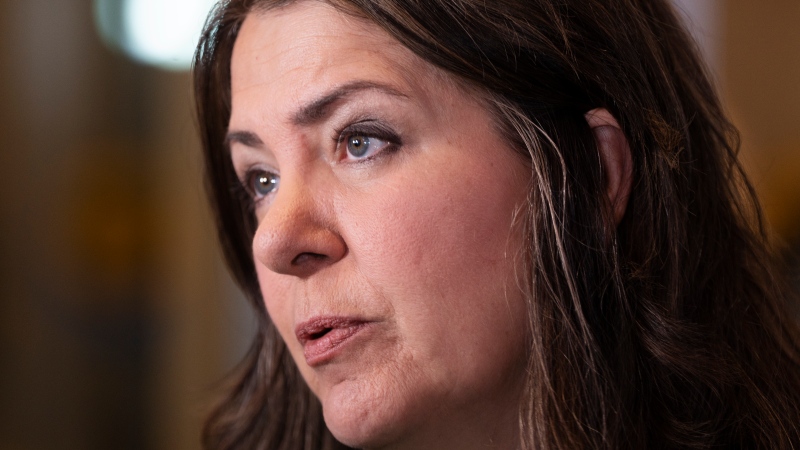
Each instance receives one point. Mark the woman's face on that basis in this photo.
(385, 202)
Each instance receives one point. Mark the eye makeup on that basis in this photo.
(365, 129)
(368, 132)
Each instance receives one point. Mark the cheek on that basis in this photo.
(276, 292)
(437, 228)
(439, 245)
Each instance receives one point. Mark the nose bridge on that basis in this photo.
(298, 234)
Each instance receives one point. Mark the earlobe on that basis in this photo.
(615, 156)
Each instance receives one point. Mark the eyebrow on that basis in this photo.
(246, 138)
(322, 107)
(315, 111)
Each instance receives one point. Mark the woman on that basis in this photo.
(468, 224)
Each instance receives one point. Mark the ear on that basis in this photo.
(615, 156)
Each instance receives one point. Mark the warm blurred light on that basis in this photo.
(163, 33)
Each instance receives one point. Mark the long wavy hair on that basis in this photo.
(672, 330)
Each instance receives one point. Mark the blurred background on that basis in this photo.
(117, 316)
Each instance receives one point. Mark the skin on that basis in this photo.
(417, 238)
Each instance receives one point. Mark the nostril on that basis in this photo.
(306, 257)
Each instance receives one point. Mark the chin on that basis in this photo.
(358, 419)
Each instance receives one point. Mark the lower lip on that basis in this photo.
(322, 350)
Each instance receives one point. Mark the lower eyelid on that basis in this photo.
(386, 146)
(247, 183)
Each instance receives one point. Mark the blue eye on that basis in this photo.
(262, 183)
(365, 140)
(360, 146)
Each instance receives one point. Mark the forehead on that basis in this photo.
(287, 55)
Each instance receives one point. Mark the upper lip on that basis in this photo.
(316, 327)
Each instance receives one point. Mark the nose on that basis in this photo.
(297, 235)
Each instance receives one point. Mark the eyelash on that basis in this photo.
(371, 129)
(366, 128)
(246, 183)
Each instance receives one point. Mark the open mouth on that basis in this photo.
(319, 327)
(323, 337)
(319, 334)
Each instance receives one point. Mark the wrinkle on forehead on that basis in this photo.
(278, 47)
(283, 35)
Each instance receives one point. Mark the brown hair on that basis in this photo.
(674, 333)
